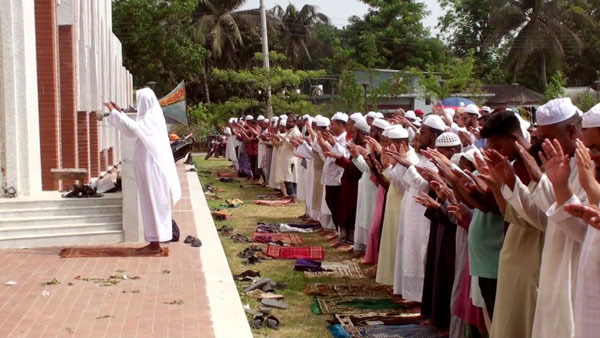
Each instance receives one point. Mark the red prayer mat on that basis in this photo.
(287, 238)
(109, 252)
(290, 252)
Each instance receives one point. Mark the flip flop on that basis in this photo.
(272, 322)
(274, 303)
(189, 239)
(265, 309)
(257, 322)
(196, 243)
(258, 284)
(247, 275)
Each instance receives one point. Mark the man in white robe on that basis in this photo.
(154, 165)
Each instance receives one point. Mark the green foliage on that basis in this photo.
(556, 86)
(586, 101)
(351, 94)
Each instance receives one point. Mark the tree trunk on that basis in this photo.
(205, 81)
(543, 72)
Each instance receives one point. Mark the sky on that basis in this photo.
(340, 10)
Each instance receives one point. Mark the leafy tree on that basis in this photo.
(297, 27)
(586, 101)
(542, 33)
(556, 86)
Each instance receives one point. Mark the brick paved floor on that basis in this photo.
(131, 308)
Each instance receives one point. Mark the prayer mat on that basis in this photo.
(287, 238)
(223, 174)
(346, 269)
(374, 318)
(109, 252)
(276, 226)
(288, 252)
(221, 215)
(273, 203)
(326, 290)
(394, 331)
(349, 304)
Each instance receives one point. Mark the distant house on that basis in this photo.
(575, 93)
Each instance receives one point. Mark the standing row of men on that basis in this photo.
(488, 222)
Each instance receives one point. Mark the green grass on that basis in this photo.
(297, 321)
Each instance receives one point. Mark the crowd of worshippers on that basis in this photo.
(487, 220)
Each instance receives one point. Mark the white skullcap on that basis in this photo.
(227, 131)
(386, 131)
(372, 114)
(379, 115)
(410, 115)
(305, 117)
(450, 112)
(356, 116)
(322, 121)
(472, 109)
(310, 119)
(340, 117)
(591, 119)
(447, 139)
(318, 115)
(249, 117)
(234, 119)
(283, 116)
(274, 119)
(555, 111)
(260, 118)
(362, 125)
(380, 123)
(397, 132)
(435, 122)
(469, 155)
(486, 109)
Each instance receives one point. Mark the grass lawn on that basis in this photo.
(297, 320)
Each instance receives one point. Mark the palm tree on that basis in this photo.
(297, 27)
(542, 33)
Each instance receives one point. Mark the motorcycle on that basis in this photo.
(217, 145)
(182, 147)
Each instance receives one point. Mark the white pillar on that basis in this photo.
(19, 115)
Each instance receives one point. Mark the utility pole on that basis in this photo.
(265, 52)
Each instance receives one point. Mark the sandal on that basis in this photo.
(247, 275)
(196, 243)
(257, 322)
(272, 322)
(189, 239)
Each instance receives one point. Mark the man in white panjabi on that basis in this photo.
(154, 166)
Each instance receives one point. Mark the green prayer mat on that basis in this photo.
(349, 304)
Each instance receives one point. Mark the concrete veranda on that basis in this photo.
(170, 298)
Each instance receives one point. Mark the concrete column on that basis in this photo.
(133, 230)
(19, 112)
(94, 146)
(83, 141)
(68, 110)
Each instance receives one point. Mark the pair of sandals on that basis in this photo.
(239, 238)
(195, 242)
(258, 322)
(225, 230)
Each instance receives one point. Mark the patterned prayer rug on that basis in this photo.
(394, 331)
(287, 238)
(346, 269)
(374, 318)
(289, 252)
(349, 304)
(327, 290)
(109, 252)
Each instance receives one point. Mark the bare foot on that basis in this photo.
(152, 248)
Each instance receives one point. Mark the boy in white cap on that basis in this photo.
(287, 168)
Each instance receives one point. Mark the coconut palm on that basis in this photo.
(542, 35)
(296, 26)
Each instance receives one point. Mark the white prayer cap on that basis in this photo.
(591, 119)
(486, 109)
(234, 119)
(555, 111)
(410, 115)
(305, 117)
(448, 139)
(318, 115)
(397, 132)
(322, 121)
(356, 116)
(469, 155)
(472, 109)
(362, 125)
(274, 119)
(380, 115)
(435, 122)
(310, 119)
(380, 123)
(227, 131)
(283, 116)
(450, 112)
(340, 117)
(260, 118)
(372, 114)
(249, 117)
(386, 131)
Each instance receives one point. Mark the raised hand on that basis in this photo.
(485, 173)
(500, 167)
(533, 169)
(116, 106)
(587, 173)
(555, 162)
(109, 106)
(589, 213)
(458, 210)
(353, 149)
(333, 154)
(426, 201)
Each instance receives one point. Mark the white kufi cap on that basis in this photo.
(450, 112)
(556, 111)
(448, 139)
(340, 117)
(410, 115)
(380, 115)
(380, 123)
(372, 114)
(435, 122)
(591, 119)
(249, 117)
(362, 125)
(387, 130)
(397, 132)
(356, 116)
(472, 109)
(260, 118)
(322, 122)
